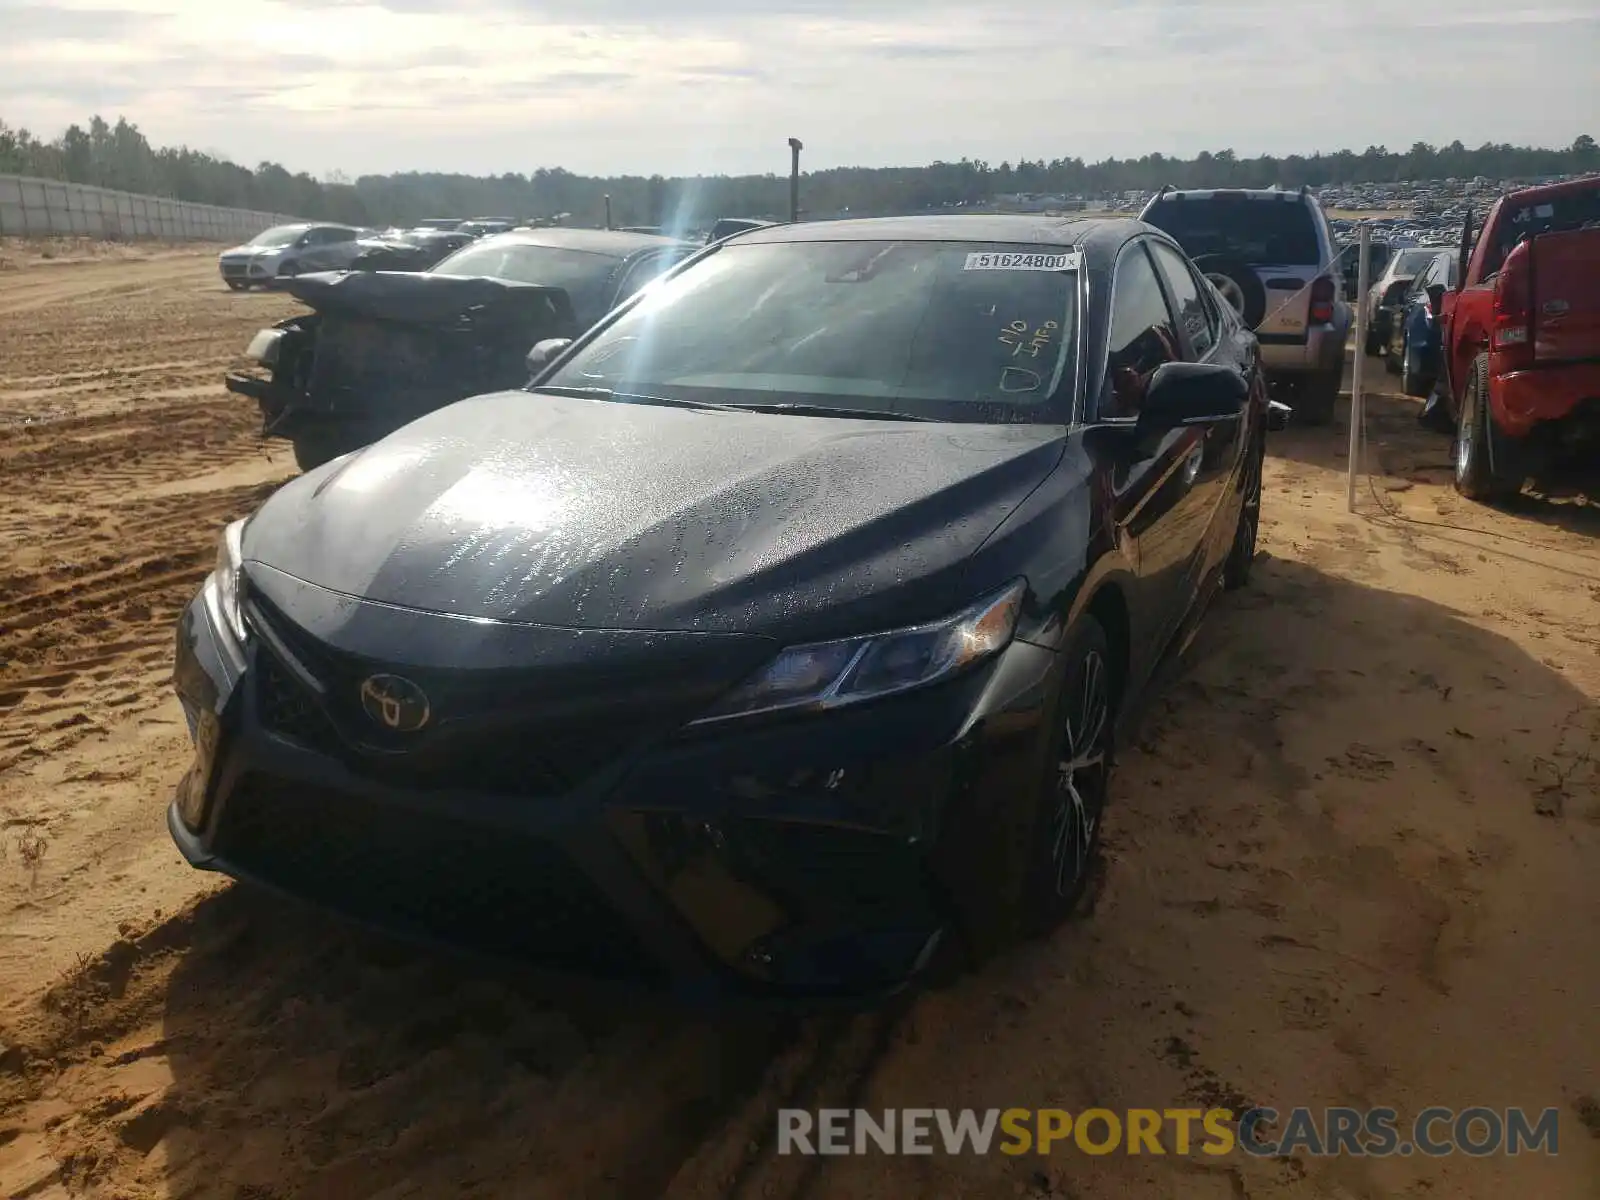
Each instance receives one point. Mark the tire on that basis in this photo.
(1481, 472)
(1247, 294)
(237, 285)
(1242, 554)
(1412, 381)
(1072, 793)
(1318, 392)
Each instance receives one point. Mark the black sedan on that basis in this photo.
(776, 639)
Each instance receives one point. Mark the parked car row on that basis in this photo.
(777, 636)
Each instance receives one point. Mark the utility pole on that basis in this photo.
(795, 147)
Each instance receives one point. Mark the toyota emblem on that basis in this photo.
(395, 703)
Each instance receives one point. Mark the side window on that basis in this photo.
(1196, 318)
(1142, 336)
(643, 272)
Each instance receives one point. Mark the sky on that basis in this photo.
(684, 87)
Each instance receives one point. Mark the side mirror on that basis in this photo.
(1436, 293)
(546, 352)
(1184, 393)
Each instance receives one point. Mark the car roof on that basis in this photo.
(1106, 234)
(1242, 193)
(614, 242)
(1552, 191)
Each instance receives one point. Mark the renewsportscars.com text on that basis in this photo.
(1372, 1132)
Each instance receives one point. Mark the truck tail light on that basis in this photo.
(1511, 344)
(1322, 293)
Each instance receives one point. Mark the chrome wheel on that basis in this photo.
(1464, 436)
(1081, 775)
(1230, 289)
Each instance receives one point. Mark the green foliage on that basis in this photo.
(119, 156)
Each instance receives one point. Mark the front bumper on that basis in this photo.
(834, 856)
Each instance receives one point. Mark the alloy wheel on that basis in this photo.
(1250, 516)
(1081, 775)
(1464, 437)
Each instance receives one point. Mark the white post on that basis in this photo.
(1358, 405)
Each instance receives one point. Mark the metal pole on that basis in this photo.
(1358, 407)
(795, 146)
(608, 212)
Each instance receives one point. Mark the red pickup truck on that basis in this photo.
(1520, 338)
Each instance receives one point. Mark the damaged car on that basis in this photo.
(776, 640)
(380, 347)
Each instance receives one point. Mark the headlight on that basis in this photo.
(223, 585)
(826, 675)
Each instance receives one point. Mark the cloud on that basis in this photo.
(701, 86)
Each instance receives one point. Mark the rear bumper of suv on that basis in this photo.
(1320, 349)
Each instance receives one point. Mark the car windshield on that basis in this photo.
(281, 235)
(1409, 262)
(944, 330)
(1259, 231)
(583, 275)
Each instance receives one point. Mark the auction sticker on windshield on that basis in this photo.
(1010, 261)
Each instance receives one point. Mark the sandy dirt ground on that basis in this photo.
(1351, 861)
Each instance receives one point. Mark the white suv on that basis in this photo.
(1271, 254)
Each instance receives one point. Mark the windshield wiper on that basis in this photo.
(786, 407)
(604, 393)
(826, 410)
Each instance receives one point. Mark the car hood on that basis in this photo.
(591, 514)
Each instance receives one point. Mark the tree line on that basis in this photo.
(120, 156)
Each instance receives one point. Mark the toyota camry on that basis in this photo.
(775, 639)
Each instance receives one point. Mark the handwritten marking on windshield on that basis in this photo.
(1016, 336)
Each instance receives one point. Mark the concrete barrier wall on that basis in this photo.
(50, 208)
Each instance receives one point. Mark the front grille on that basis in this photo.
(233, 270)
(288, 710)
(478, 745)
(471, 886)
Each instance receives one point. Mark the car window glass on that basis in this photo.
(958, 331)
(1142, 337)
(1272, 230)
(642, 273)
(1196, 320)
(1411, 262)
(584, 276)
